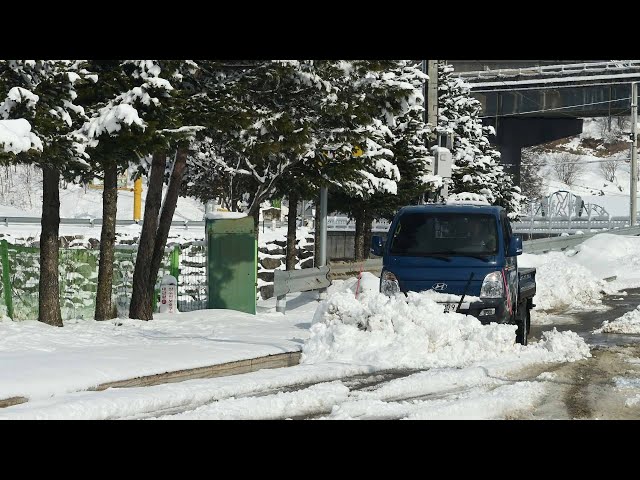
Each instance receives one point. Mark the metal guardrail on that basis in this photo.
(289, 281)
(341, 268)
(542, 245)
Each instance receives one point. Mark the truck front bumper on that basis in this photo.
(488, 310)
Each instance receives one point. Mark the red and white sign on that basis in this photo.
(168, 294)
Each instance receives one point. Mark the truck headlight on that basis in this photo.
(389, 284)
(492, 286)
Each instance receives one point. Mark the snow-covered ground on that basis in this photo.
(457, 349)
(37, 360)
(22, 197)
(341, 337)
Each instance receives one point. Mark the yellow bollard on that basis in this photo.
(137, 200)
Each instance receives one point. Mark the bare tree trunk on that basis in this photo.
(168, 209)
(294, 198)
(255, 213)
(104, 309)
(368, 220)
(359, 237)
(49, 287)
(141, 301)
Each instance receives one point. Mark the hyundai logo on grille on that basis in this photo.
(439, 286)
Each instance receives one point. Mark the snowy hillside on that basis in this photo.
(21, 195)
(592, 151)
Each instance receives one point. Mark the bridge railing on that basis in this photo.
(551, 69)
(563, 224)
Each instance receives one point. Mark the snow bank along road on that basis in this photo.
(556, 377)
(378, 357)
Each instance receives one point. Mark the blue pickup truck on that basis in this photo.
(465, 250)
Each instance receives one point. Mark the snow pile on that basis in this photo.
(628, 323)
(368, 283)
(562, 282)
(608, 255)
(413, 332)
(575, 279)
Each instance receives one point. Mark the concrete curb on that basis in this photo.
(278, 360)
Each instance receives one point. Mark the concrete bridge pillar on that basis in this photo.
(513, 133)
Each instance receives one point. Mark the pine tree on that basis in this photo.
(43, 92)
(296, 114)
(476, 166)
(114, 131)
(167, 98)
(403, 134)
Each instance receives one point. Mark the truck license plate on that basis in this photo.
(450, 307)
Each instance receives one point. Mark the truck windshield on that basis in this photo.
(425, 234)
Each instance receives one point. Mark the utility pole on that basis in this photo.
(633, 191)
(322, 261)
(432, 93)
(424, 91)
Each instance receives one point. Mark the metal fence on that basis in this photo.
(192, 276)
(78, 279)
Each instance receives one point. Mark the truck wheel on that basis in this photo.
(523, 322)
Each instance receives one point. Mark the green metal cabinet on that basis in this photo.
(232, 264)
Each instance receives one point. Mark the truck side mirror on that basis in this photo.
(377, 245)
(515, 246)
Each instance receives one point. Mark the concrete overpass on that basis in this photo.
(538, 101)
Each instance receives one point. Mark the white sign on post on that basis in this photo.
(168, 294)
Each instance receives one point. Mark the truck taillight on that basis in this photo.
(389, 284)
(492, 286)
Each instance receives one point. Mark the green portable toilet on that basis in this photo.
(232, 264)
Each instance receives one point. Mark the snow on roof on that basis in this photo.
(219, 214)
(467, 198)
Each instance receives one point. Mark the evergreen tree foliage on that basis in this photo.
(43, 92)
(476, 166)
